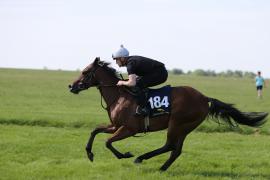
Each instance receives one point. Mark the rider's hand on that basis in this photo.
(120, 83)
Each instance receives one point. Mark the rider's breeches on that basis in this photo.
(152, 79)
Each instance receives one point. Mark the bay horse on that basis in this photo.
(189, 108)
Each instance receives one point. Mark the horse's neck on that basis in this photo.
(109, 91)
(109, 94)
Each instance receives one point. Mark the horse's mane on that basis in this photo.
(106, 65)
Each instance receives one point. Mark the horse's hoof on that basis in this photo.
(128, 155)
(162, 169)
(138, 161)
(90, 156)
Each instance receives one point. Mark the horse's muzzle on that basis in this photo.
(73, 89)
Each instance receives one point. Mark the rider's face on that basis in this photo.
(119, 62)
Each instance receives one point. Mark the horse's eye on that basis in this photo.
(84, 72)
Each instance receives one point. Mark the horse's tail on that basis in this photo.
(227, 112)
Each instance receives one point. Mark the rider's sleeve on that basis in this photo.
(131, 68)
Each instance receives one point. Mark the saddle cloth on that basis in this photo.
(159, 101)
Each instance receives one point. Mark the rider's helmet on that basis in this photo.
(122, 52)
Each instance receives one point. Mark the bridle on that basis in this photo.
(88, 76)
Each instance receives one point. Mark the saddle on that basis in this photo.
(158, 100)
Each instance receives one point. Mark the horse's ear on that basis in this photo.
(100, 63)
(97, 60)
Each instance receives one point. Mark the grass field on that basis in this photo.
(44, 129)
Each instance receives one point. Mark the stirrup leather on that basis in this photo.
(142, 111)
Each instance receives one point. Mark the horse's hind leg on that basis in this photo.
(156, 152)
(177, 133)
(174, 154)
(175, 139)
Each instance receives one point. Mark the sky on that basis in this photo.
(185, 34)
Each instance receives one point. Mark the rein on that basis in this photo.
(105, 85)
(101, 102)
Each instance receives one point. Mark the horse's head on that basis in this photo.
(88, 77)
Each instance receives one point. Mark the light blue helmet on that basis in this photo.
(122, 52)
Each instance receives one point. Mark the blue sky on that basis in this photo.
(192, 34)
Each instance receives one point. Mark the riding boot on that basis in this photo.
(142, 109)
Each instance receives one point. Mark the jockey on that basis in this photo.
(142, 73)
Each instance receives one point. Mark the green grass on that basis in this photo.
(28, 152)
(44, 129)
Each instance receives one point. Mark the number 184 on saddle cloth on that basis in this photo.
(159, 101)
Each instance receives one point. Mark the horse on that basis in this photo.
(189, 108)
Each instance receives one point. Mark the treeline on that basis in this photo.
(228, 73)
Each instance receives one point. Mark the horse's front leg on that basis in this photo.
(101, 129)
(120, 134)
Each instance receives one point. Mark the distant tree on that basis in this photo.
(249, 74)
(177, 71)
(211, 73)
(229, 73)
(222, 74)
(199, 72)
(238, 73)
